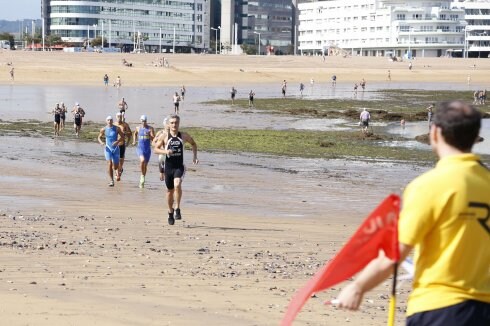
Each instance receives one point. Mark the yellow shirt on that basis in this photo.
(446, 217)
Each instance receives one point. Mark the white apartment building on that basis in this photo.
(381, 28)
(169, 24)
(477, 16)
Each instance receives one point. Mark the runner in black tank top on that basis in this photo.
(172, 146)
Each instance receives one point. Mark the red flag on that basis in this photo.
(379, 231)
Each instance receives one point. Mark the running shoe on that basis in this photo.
(177, 214)
(171, 220)
(111, 183)
(142, 181)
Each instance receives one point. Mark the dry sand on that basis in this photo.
(198, 70)
(95, 258)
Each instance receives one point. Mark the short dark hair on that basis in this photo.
(459, 122)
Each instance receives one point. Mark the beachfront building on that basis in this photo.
(247, 23)
(477, 16)
(146, 25)
(381, 28)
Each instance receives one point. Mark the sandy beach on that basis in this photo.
(75, 252)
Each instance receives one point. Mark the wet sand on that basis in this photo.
(255, 228)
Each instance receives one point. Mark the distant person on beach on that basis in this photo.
(476, 95)
(114, 137)
(410, 66)
(365, 117)
(363, 84)
(176, 99)
(122, 106)
(312, 82)
(78, 114)
(301, 88)
(430, 114)
(12, 74)
(118, 82)
(161, 157)
(334, 80)
(389, 75)
(63, 113)
(233, 94)
(468, 79)
(251, 99)
(173, 147)
(126, 130)
(283, 88)
(106, 80)
(57, 119)
(355, 89)
(182, 92)
(482, 96)
(144, 134)
(444, 218)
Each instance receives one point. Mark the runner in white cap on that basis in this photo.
(145, 135)
(126, 130)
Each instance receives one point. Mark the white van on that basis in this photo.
(4, 44)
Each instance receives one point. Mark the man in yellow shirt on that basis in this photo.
(446, 218)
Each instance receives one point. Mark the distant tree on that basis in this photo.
(98, 41)
(52, 40)
(249, 49)
(8, 37)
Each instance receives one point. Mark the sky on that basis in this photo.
(20, 9)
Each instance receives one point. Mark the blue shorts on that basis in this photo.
(146, 154)
(112, 154)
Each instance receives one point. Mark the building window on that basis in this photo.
(400, 16)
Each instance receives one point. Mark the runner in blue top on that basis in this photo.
(113, 138)
(144, 134)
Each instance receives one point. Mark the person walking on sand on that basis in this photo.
(144, 134)
(355, 89)
(475, 97)
(106, 80)
(233, 94)
(251, 99)
(444, 217)
(12, 74)
(78, 114)
(334, 80)
(176, 99)
(389, 75)
(173, 147)
(301, 88)
(283, 88)
(363, 84)
(114, 137)
(161, 157)
(122, 106)
(410, 66)
(182, 92)
(126, 130)
(430, 114)
(118, 82)
(365, 117)
(63, 113)
(57, 119)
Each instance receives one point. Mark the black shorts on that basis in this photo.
(78, 122)
(57, 118)
(122, 151)
(63, 117)
(365, 123)
(283, 92)
(233, 96)
(467, 313)
(171, 174)
(176, 104)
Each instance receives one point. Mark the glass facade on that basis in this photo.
(273, 19)
(122, 20)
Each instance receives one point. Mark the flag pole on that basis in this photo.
(391, 312)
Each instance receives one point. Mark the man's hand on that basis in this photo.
(350, 297)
